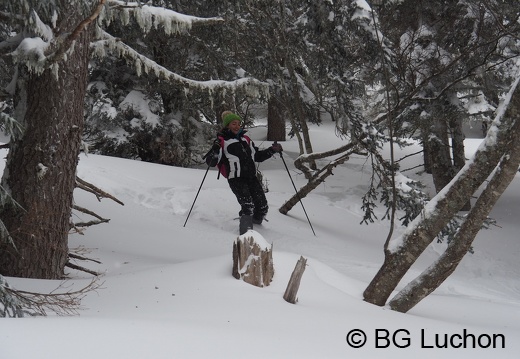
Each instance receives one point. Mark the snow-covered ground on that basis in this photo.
(168, 291)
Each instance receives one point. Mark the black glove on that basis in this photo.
(212, 159)
(216, 146)
(212, 156)
(276, 147)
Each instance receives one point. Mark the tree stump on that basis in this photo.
(253, 259)
(294, 282)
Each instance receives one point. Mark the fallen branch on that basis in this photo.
(314, 182)
(30, 303)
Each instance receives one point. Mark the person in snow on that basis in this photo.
(235, 154)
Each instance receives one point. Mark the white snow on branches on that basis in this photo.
(253, 87)
(151, 16)
(31, 51)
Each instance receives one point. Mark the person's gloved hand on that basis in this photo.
(216, 146)
(212, 156)
(276, 147)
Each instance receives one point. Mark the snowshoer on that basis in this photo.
(235, 155)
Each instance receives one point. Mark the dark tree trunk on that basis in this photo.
(41, 165)
(427, 155)
(403, 252)
(275, 121)
(457, 150)
(441, 165)
(457, 134)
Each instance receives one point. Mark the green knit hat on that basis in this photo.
(228, 117)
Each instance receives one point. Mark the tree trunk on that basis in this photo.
(297, 105)
(252, 261)
(446, 264)
(41, 165)
(441, 166)
(404, 251)
(427, 156)
(457, 150)
(275, 120)
(457, 144)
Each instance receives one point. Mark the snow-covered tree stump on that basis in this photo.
(294, 282)
(253, 259)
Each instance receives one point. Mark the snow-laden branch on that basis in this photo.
(44, 50)
(152, 16)
(254, 88)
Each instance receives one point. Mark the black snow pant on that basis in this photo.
(250, 195)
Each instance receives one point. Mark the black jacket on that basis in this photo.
(237, 154)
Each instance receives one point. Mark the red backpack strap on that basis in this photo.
(221, 141)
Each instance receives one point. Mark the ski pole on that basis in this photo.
(299, 199)
(205, 174)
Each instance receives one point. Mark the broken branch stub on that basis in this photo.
(294, 282)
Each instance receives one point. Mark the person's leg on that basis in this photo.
(241, 190)
(259, 201)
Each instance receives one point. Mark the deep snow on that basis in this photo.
(168, 291)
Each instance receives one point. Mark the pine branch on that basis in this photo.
(162, 16)
(253, 87)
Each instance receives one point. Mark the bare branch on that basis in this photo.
(77, 256)
(64, 303)
(86, 211)
(99, 193)
(80, 268)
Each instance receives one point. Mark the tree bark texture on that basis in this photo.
(446, 264)
(41, 165)
(457, 144)
(423, 230)
(252, 263)
(458, 151)
(294, 282)
(275, 120)
(441, 165)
